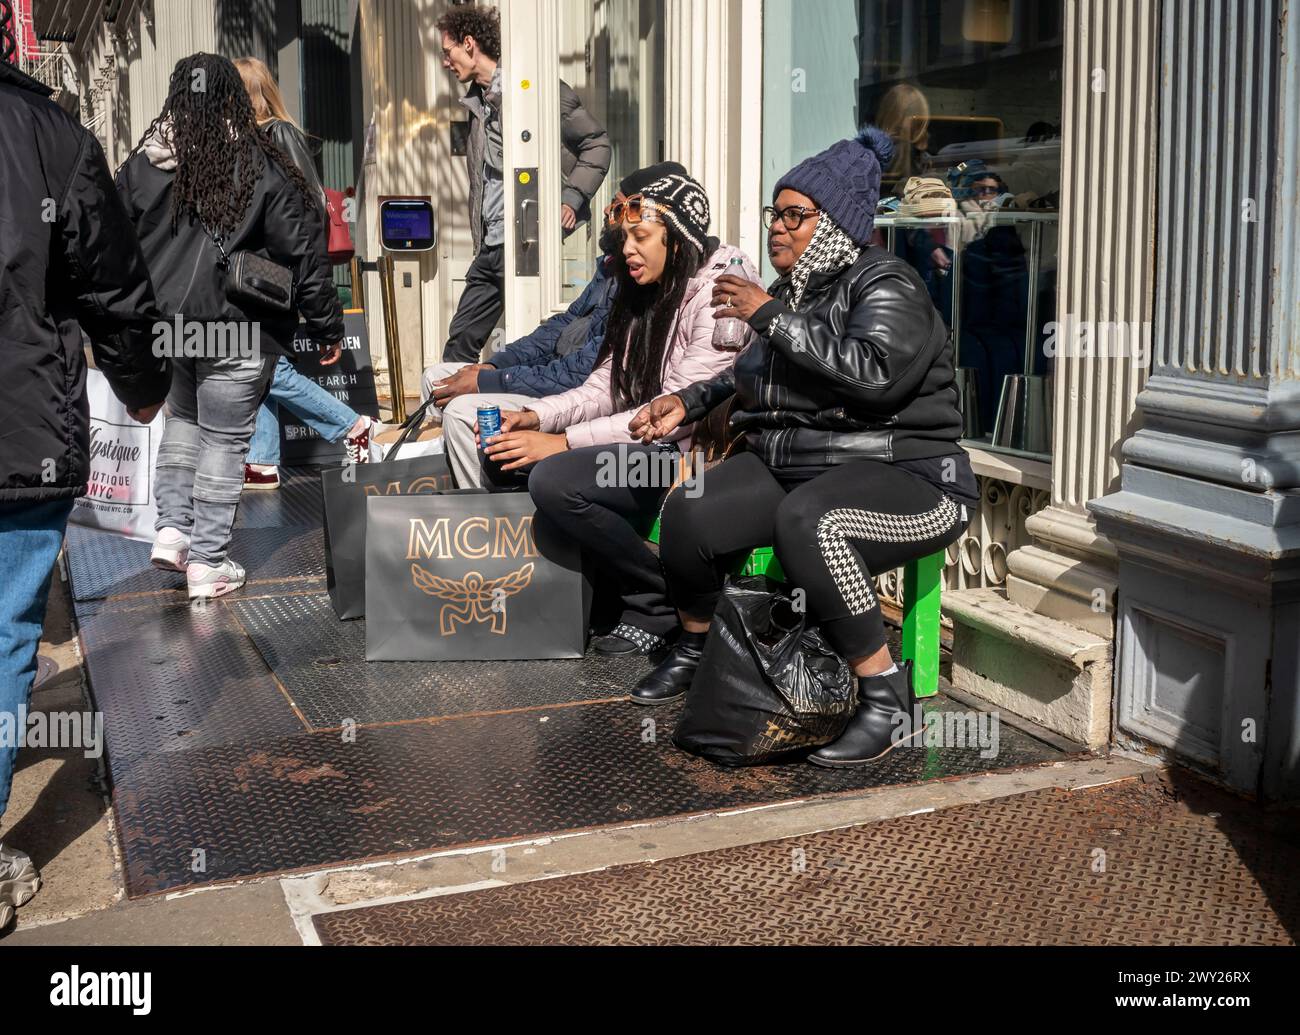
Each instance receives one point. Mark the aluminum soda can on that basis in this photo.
(489, 422)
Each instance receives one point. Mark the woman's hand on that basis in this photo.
(516, 449)
(331, 354)
(519, 442)
(737, 297)
(658, 418)
(511, 420)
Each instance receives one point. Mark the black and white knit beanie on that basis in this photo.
(682, 203)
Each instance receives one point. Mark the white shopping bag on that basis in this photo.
(123, 455)
(426, 442)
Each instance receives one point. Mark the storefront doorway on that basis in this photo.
(611, 53)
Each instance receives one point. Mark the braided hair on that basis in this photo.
(208, 123)
(8, 42)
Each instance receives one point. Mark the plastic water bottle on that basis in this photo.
(729, 333)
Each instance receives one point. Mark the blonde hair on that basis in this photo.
(263, 91)
(904, 113)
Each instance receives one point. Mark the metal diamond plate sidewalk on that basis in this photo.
(251, 737)
(1134, 863)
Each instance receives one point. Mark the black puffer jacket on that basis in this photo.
(864, 371)
(69, 262)
(279, 224)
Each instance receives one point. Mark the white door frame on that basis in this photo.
(530, 77)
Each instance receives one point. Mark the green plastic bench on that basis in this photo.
(922, 585)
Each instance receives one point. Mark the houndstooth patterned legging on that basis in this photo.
(832, 534)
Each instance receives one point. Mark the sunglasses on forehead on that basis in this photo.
(633, 210)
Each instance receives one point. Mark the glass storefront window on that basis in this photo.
(970, 91)
(612, 55)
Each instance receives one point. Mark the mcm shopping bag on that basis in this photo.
(470, 577)
(345, 490)
(123, 454)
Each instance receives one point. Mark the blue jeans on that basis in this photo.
(30, 537)
(308, 401)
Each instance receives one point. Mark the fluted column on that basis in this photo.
(1043, 649)
(1105, 276)
(703, 113)
(1207, 516)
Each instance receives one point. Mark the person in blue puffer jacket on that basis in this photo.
(559, 355)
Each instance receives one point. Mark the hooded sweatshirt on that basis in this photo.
(279, 224)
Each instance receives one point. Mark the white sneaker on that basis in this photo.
(170, 550)
(206, 581)
(19, 881)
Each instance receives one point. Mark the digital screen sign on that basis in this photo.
(407, 224)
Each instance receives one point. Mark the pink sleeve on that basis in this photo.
(583, 403)
(695, 360)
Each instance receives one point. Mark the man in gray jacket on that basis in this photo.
(471, 48)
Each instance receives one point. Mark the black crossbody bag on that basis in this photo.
(255, 282)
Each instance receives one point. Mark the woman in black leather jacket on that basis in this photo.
(328, 416)
(847, 412)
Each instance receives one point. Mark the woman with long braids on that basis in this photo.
(328, 416)
(847, 409)
(203, 184)
(661, 336)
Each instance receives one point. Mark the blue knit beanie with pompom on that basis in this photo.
(844, 180)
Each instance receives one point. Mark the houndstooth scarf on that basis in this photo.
(829, 251)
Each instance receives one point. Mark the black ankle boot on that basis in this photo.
(671, 678)
(871, 731)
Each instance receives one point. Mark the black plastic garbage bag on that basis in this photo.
(767, 684)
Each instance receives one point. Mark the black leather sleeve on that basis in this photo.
(287, 138)
(113, 291)
(702, 396)
(879, 356)
(295, 237)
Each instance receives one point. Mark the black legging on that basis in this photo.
(831, 533)
(610, 519)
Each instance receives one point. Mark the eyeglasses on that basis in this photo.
(634, 210)
(792, 217)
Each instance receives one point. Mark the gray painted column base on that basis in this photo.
(1208, 631)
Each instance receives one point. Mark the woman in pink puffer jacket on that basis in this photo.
(590, 475)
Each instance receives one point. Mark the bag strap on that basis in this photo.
(410, 426)
(217, 240)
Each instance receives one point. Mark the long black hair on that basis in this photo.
(636, 334)
(208, 122)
